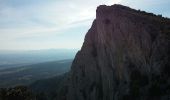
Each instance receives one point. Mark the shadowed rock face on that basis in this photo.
(125, 56)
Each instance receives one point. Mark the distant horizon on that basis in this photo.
(1, 50)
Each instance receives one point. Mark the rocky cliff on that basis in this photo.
(125, 56)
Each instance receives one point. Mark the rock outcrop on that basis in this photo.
(125, 56)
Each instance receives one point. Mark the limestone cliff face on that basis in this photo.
(125, 56)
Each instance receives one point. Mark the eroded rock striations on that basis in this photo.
(125, 56)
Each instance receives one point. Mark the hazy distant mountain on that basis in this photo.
(20, 58)
(24, 75)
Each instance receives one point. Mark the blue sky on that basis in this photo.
(50, 24)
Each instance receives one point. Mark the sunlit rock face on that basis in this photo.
(125, 56)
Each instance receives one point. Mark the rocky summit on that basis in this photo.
(125, 56)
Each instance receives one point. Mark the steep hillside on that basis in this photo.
(125, 56)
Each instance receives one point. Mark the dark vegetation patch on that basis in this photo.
(99, 89)
(166, 70)
(83, 92)
(107, 21)
(94, 51)
(158, 87)
(137, 81)
(16, 93)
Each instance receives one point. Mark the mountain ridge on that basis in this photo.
(123, 52)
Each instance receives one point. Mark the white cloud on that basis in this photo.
(47, 18)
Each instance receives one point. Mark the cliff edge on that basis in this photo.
(125, 56)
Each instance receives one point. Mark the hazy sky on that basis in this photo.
(46, 24)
